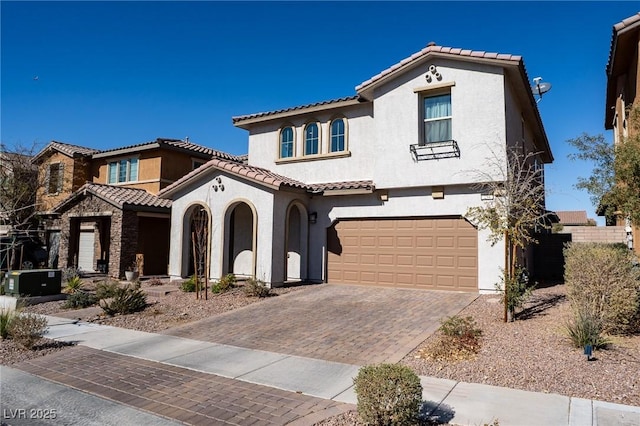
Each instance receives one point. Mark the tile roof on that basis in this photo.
(119, 196)
(623, 25)
(571, 217)
(264, 177)
(296, 108)
(65, 148)
(179, 144)
(623, 43)
(431, 48)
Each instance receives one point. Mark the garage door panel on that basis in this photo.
(436, 253)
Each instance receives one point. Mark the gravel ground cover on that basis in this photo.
(534, 354)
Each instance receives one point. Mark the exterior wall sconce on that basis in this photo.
(384, 196)
(313, 217)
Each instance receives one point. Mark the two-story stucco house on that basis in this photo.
(370, 189)
(99, 209)
(623, 83)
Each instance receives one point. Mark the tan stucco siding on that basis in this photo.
(46, 200)
(175, 165)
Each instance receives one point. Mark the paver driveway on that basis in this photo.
(348, 324)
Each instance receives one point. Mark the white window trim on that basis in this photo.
(294, 148)
(117, 160)
(346, 133)
(319, 138)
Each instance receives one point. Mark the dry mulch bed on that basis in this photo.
(535, 354)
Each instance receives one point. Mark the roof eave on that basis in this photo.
(621, 29)
(366, 89)
(126, 151)
(248, 122)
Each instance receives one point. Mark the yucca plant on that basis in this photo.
(73, 285)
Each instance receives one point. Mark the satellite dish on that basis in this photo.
(540, 87)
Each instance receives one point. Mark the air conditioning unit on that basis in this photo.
(33, 282)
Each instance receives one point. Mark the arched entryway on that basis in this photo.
(240, 240)
(195, 252)
(297, 231)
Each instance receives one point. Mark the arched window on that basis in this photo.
(286, 142)
(337, 135)
(311, 139)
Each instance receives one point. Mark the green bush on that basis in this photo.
(517, 288)
(256, 288)
(189, 286)
(107, 289)
(388, 394)
(456, 326)
(73, 285)
(6, 316)
(584, 329)
(225, 284)
(601, 280)
(27, 329)
(126, 301)
(79, 300)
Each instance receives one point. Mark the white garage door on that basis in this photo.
(85, 250)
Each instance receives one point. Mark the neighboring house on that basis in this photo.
(574, 218)
(623, 82)
(99, 208)
(369, 189)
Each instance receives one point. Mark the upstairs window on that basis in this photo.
(54, 178)
(286, 142)
(311, 139)
(337, 135)
(125, 170)
(437, 118)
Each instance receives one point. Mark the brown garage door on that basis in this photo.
(430, 253)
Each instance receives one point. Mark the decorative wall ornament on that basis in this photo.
(432, 74)
(218, 185)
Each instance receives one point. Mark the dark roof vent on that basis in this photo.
(431, 44)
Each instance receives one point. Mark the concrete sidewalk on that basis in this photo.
(447, 400)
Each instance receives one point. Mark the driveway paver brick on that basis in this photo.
(348, 324)
(177, 393)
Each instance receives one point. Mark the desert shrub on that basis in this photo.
(106, 289)
(26, 329)
(70, 273)
(225, 284)
(189, 286)
(517, 288)
(458, 339)
(126, 301)
(6, 316)
(388, 394)
(155, 282)
(601, 280)
(73, 285)
(79, 300)
(584, 329)
(256, 288)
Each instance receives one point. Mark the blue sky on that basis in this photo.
(119, 73)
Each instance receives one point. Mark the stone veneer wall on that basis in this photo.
(89, 209)
(128, 239)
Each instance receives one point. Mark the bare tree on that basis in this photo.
(515, 209)
(200, 244)
(18, 185)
